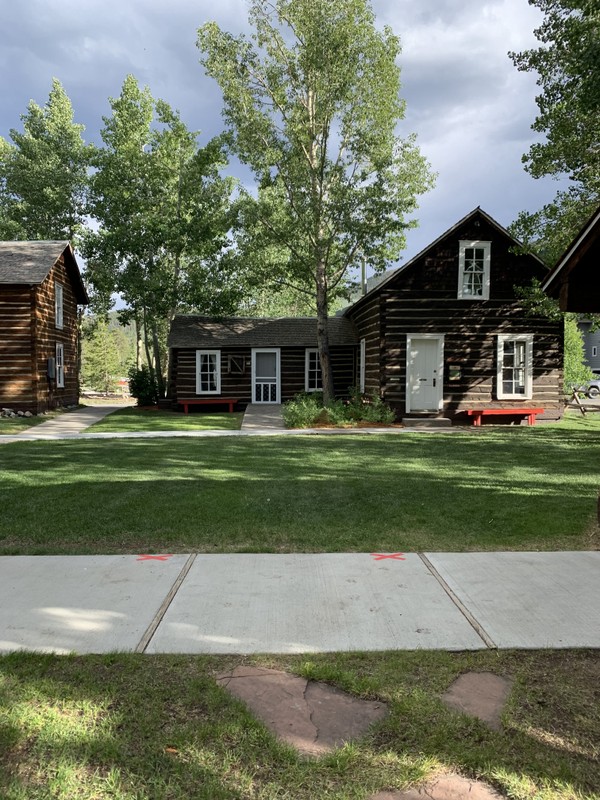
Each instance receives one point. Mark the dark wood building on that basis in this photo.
(40, 290)
(447, 332)
(573, 280)
(255, 359)
(441, 335)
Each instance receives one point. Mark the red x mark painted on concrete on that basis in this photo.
(154, 558)
(395, 556)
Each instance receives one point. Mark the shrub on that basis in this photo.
(302, 410)
(307, 410)
(143, 386)
(377, 411)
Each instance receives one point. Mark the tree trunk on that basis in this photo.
(323, 334)
(138, 343)
(157, 360)
(147, 346)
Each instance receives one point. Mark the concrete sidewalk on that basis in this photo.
(259, 417)
(299, 603)
(70, 422)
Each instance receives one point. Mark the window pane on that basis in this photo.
(514, 367)
(208, 372)
(266, 365)
(314, 381)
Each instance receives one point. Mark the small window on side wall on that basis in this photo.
(313, 381)
(60, 366)
(474, 270)
(208, 372)
(58, 305)
(515, 367)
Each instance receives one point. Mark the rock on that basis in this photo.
(28, 414)
(480, 694)
(313, 717)
(445, 787)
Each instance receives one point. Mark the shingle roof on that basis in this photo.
(30, 262)
(194, 331)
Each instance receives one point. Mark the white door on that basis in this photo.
(265, 376)
(424, 378)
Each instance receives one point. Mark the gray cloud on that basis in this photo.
(469, 107)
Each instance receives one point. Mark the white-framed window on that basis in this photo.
(474, 270)
(58, 305)
(362, 366)
(60, 366)
(313, 381)
(515, 366)
(594, 351)
(208, 372)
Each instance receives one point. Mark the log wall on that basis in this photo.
(28, 337)
(239, 386)
(422, 298)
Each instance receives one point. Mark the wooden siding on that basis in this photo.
(422, 299)
(16, 389)
(239, 386)
(471, 330)
(368, 325)
(28, 338)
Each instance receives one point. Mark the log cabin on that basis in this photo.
(573, 280)
(443, 336)
(40, 291)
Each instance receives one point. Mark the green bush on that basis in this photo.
(302, 410)
(307, 410)
(143, 386)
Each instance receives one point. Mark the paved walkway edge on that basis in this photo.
(153, 627)
(477, 627)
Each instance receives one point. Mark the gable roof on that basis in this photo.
(579, 253)
(30, 263)
(394, 273)
(190, 330)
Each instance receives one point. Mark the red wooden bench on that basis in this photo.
(207, 401)
(530, 413)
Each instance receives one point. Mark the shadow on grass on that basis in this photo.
(159, 727)
(453, 492)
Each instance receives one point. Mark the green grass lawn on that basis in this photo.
(139, 419)
(133, 727)
(499, 488)
(140, 727)
(10, 425)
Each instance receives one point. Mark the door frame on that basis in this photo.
(439, 338)
(277, 351)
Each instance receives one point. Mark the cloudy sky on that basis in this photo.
(468, 105)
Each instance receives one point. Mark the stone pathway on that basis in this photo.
(445, 787)
(480, 694)
(312, 717)
(316, 718)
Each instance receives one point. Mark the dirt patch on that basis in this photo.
(312, 717)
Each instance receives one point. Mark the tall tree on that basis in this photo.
(44, 173)
(102, 362)
(163, 210)
(568, 67)
(311, 103)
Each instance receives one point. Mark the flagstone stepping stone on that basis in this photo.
(446, 787)
(480, 694)
(312, 717)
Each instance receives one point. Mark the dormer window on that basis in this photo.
(58, 305)
(474, 270)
